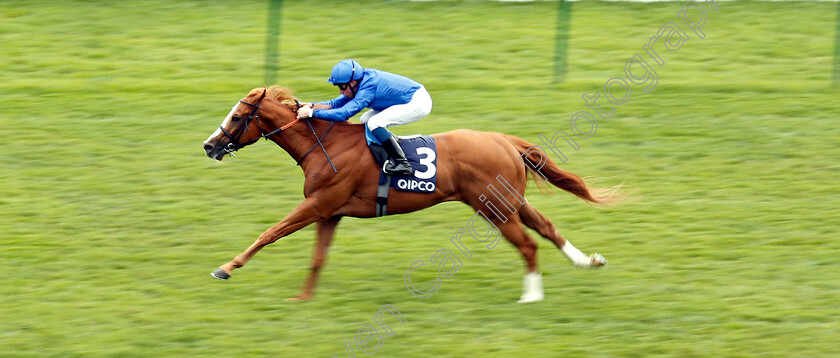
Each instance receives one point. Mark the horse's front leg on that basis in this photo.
(304, 214)
(326, 230)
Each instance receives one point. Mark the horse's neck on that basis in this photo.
(300, 142)
(275, 115)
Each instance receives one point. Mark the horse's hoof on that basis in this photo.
(530, 298)
(299, 298)
(598, 260)
(220, 274)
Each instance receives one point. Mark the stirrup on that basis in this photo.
(406, 171)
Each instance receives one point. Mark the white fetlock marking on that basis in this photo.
(532, 288)
(596, 257)
(575, 256)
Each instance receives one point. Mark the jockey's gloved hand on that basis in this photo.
(305, 111)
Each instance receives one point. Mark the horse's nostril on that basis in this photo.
(208, 147)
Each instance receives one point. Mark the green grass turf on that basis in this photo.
(111, 217)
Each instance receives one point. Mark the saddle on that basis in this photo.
(421, 152)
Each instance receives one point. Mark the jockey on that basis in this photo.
(392, 99)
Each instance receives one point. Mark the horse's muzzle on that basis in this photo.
(214, 152)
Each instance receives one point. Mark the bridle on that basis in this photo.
(234, 144)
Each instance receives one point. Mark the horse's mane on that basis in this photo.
(280, 94)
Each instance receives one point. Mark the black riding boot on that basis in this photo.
(398, 164)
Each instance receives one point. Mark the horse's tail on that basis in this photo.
(538, 163)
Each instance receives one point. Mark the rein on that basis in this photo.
(316, 145)
(278, 130)
(317, 140)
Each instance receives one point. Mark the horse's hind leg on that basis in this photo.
(516, 234)
(326, 230)
(533, 219)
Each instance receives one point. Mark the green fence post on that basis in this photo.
(272, 40)
(564, 9)
(837, 48)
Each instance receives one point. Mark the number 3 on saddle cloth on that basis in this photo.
(421, 152)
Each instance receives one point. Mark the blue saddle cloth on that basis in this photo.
(421, 152)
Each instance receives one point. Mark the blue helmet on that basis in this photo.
(346, 71)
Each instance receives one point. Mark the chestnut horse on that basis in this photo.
(467, 161)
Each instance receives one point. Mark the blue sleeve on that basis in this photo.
(360, 101)
(335, 102)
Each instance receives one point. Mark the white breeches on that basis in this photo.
(419, 107)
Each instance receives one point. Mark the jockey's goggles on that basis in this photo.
(342, 86)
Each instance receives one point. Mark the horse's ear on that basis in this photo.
(265, 90)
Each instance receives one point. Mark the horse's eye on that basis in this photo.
(236, 118)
